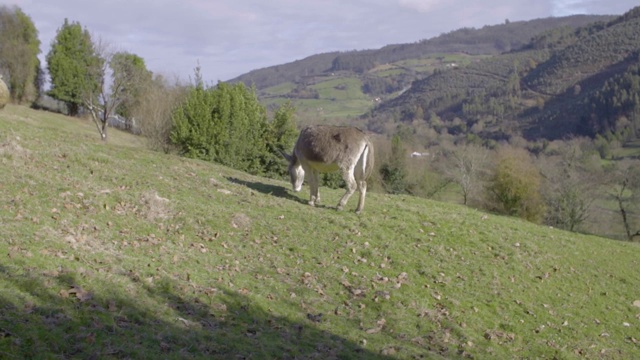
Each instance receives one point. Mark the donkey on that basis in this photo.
(322, 149)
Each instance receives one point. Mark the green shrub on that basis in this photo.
(226, 124)
(515, 186)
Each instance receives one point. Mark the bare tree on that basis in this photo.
(463, 165)
(625, 189)
(568, 178)
(98, 100)
(126, 78)
(154, 110)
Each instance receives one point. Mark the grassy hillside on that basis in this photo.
(337, 96)
(113, 251)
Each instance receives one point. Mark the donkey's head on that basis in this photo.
(296, 172)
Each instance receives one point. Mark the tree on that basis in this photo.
(154, 110)
(568, 180)
(280, 137)
(224, 124)
(128, 78)
(227, 124)
(95, 98)
(463, 165)
(393, 172)
(515, 185)
(74, 66)
(129, 71)
(19, 51)
(625, 190)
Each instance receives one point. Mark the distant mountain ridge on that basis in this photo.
(490, 39)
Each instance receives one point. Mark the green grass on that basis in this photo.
(113, 251)
(341, 96)
(347, 88)
(629, 150)
(390, 72)
(279, 90)
(338, 98)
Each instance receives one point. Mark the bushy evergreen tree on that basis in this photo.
(280, 135)
(226, 124)
(71, 63)
(19, 49)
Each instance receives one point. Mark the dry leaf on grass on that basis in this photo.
(379, 326)
(76, 292)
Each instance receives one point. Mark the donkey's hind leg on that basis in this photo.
(362, 188)
(351, 187)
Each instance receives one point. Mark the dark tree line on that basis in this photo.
(615, 109)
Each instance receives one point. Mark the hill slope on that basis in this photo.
(112, 251)
(491, 39)
(342, 84)
(561, 83)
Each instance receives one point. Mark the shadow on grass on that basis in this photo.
(45, 316)
(278, 191)
(268, 189)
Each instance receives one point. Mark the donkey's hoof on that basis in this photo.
(339, 208)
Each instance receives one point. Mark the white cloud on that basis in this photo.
(421, 5)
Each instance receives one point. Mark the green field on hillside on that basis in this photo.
(111, 251)
(339, 97)
(348, 88)
(279, 90)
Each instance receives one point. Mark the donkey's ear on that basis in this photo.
(286, 156)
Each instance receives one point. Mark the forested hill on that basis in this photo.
(488, 40)
(565, 81)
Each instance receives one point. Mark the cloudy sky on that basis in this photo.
(231, 37)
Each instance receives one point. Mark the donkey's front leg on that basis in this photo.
(313, 188)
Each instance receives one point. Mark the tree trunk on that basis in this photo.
(73, 108)
(623, 213)
(103, 131)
